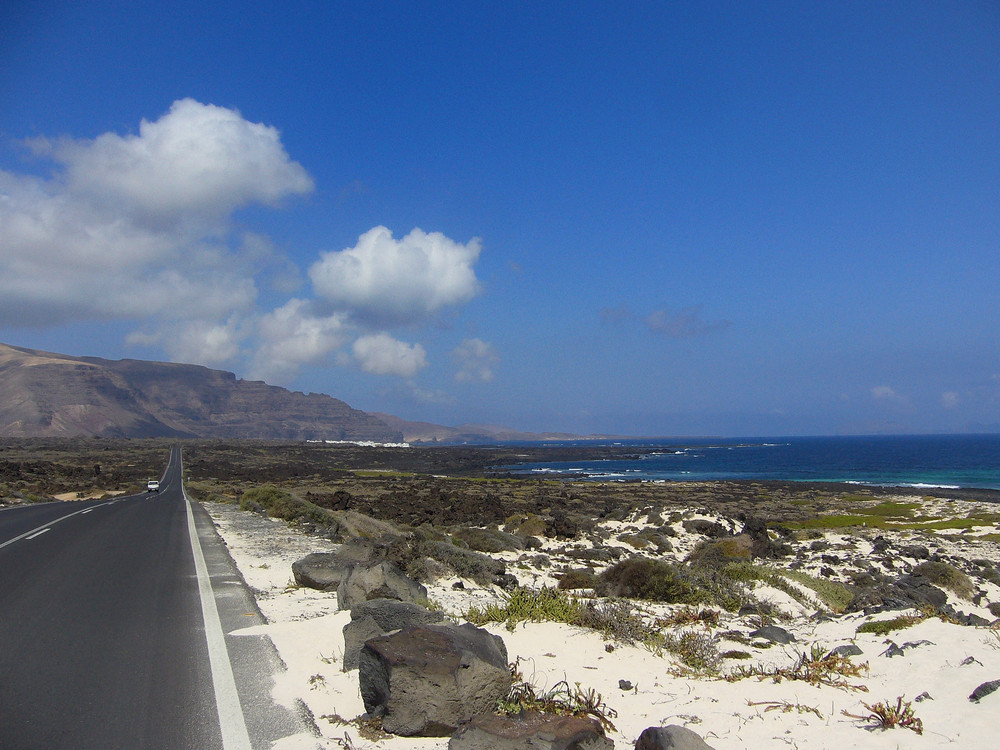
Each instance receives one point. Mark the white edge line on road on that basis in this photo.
(227, 698)
(27, 534)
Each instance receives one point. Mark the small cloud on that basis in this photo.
(885, 393)
(381, 354)
(401, 281)
(949, 399)
(684, 323)
(615, 315)
(476, 360)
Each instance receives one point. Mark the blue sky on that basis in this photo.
(638, 219)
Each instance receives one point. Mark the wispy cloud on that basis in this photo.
(684, 323)
(476, 360)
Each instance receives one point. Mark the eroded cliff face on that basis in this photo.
(43, 394)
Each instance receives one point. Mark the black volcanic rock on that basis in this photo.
(55, 395)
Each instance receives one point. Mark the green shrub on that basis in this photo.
(525, 524)
(947, 576)
(529, 605)
(486, 540)
(465, 563)
(836, 596)
(654, 580)
(735, 655)
(718, 552)
(884, 627)
(695, 649)
(619, 620)
(579, 578)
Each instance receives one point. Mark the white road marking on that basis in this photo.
(39, 533)
(27, 534)
(227, 699)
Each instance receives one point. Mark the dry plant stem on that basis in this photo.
(786, 707)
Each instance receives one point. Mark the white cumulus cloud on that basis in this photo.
(476, 360)
(292, 336)
(198, 159)
(398, 281)
(137, 227)
(381, 354)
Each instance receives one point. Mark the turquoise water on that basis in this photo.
(924, 461)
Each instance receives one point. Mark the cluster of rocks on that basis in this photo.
(423, 675)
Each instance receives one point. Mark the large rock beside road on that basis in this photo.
(429, 679)
(378, 580)
(531, 731)
(319, 570)
(378, 617)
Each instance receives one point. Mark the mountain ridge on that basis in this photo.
(46, 394)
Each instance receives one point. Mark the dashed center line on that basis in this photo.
(39, 533)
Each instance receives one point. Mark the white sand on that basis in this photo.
(306, 628)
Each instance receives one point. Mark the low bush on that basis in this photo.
(884, 627)
(619, 620)
(486, 540)
(525, 524)
(579, 578)
(529, 605)
(653, 580)
(465, 563)
(947, 576)
(696, 650)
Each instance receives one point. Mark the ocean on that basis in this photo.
(921, 461)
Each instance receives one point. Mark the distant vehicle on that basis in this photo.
(152, 486)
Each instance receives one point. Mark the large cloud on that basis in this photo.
(136, 227)
(398, 281)
(198, 159)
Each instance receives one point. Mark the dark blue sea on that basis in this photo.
(924, 461)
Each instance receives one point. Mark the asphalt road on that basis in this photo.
(113, 634)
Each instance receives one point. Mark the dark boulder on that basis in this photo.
(774, 634)
(530, 731)
(671, 737)
(983, 690)
(377, 617)
(429, 679)
(762, 545)
(319, 570)
(916, 551)
(705, 527)
(378, 580)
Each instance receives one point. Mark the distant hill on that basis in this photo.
(426, 432)
(54, 395)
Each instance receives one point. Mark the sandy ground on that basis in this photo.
(938, 673)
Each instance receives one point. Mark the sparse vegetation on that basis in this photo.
(890, 715)
(559, 699)
(529, 605)
(884, 627)
(815, 667)
(947, 576)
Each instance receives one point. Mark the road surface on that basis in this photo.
(114, 623)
